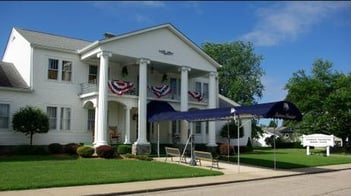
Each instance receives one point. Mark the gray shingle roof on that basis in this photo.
(9, 76)
(52, 41)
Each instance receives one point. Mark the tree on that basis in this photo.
(240, 74)
(273, 124)
(324, 98)
(30, 120)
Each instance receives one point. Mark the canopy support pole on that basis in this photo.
(274, 146)
(158, 139)
(238, 142)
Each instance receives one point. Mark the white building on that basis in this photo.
(72, 80)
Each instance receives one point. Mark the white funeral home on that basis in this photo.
(104, 90)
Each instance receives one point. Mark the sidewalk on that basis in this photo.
(231, 175)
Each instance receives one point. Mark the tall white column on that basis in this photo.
(127, 128)
(102, 100)
(142, 101)
(212, 97)
(96, 127)
(184, 105)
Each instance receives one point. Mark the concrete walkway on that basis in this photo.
(232, 174)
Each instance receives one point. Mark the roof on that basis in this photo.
(52, 41)
(168, 26)
(9, 76)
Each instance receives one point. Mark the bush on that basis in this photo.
(124, 149)
(85, 151)
(55, 148)
(106, 151)
(223, 149)
(30, 150)
(139, 157)
(71, 148)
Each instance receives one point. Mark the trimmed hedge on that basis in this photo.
(124, 149)
(85, 151)
(106, 151)
(71, 148)
(55, 148)
(30, 150)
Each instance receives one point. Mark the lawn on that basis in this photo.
(290, 158)
(30, 172)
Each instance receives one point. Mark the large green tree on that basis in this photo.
(30, 120)
(324, 98)
(240, 74)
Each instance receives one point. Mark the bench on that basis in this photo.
(174, 152)
(206, 156)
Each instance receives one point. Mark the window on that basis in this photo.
(91, 119)
(53, 69)
(52, 114)
(60, 70)
(198, 87)
(175, 88)
(202, 88)
(198, 127)
(205, 90)
(4, 115)
(66, 70)
(92, 74)
(65, 119)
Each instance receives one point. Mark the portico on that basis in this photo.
(155, 57)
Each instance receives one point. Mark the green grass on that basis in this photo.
(290, 158)
(30, 172)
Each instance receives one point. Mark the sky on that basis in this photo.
(289, 35)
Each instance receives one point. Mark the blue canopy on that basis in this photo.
(280, 110)
(157, 107)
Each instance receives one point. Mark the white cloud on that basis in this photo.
(286, 21)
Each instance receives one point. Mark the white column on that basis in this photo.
(127, 128)
(184, 88)
(184, 102)
(212, 97)
(96, 126)
(142, 101)
(102, 99)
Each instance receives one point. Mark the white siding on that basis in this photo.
(18, 52)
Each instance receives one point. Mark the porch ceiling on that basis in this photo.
(157, 66)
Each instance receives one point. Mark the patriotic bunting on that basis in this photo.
(160, 91)
(195, 95)
(119, 87)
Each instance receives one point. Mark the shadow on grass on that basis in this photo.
(56, 157)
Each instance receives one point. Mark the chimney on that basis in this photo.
(108, 35)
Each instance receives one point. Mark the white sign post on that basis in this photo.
(318, 140)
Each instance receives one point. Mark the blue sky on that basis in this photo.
(289, 35)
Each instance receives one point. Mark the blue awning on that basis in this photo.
(277, 110)
(157, 107)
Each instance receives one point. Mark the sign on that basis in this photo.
(318, 140)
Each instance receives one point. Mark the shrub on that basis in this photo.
(106, 151)
(30, 150)
(85, 151)
(139, 157)
(71, 148)
(55, 148)
(124, 149)
(223, 149)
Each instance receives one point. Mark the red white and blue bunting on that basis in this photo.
(120, 87)
(196, 95)
(161, 91)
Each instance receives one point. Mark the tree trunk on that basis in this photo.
(31, 139)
